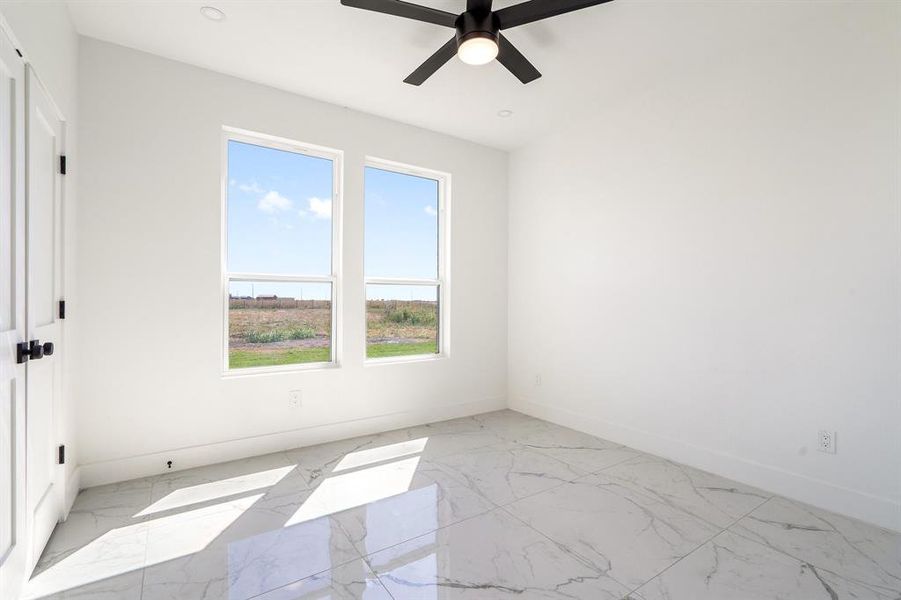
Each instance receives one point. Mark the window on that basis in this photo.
(280, 252)
(405, 261)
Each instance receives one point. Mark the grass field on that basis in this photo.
(282, 333)
(386, 350)
(241, 359)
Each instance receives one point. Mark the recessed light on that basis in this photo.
(212, 13)
(504, 113)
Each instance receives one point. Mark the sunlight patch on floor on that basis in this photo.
(135, 546)
(356, 488)
(222, 488)
(361, 458)
(364, 477)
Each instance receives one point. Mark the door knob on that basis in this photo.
(35, 350)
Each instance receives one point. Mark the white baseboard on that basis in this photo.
(123, 469)
(877, 510)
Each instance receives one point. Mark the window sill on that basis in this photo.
(393, 360)
(279, 370)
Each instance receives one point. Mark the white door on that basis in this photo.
(13, 516)
(43, 200)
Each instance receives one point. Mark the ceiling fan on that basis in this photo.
(478, 40)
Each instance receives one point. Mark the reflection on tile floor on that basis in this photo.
(494, 506)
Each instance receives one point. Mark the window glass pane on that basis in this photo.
(401, 320)
(276, 323)
(279, 211)
(401, 225)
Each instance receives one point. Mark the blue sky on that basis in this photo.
(280, 222)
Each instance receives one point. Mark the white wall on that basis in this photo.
(712, 271)
(49, 44)
(151, 388)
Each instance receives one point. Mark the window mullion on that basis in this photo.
(279, 277)
(400, 281)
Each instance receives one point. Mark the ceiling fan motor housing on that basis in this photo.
(473, 24)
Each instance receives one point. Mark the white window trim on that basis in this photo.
(444, 256)
(335, 279)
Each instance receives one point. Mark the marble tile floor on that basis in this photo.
(494, 506)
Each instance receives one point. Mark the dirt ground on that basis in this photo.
(244, 321)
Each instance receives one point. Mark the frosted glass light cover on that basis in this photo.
(477, 51)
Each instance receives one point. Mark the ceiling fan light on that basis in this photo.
(477, 50)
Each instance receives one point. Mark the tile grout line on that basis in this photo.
(504, 507)
(648, 494)
(146, 543)
(494, 506)
(632, 591)
(365, 557)
(462, 480)
(544, 452)
(377, 576)
(765, 544)
(332, 567)
(568, 551)
(699, 546)
(618, 463)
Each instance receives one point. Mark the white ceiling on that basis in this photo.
(589, 59)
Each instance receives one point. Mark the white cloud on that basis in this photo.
(253, 188)
(321, 209)
(430, 210)
(274, 202)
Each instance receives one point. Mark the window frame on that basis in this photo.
(334, 278)
(443, 276)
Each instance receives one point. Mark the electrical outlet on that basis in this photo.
(537, 380)
(826, 442)
(294, 399)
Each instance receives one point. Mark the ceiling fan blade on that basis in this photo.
(478, 5)
(433, 63)
(406, 10)
(535, 10)
(515, 62)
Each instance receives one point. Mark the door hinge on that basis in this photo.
(61, 455)
(62, 309)
(62, 164)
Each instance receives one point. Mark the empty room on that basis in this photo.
(450, 300)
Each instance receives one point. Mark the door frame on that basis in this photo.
(14, 561)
